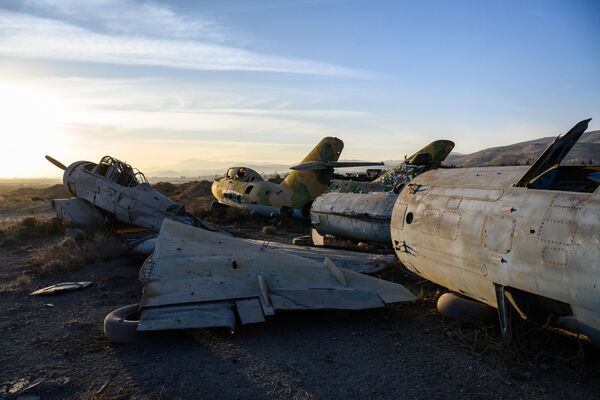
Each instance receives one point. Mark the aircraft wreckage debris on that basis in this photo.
(61, 287)
(202, 279)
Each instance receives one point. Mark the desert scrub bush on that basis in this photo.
(21, 283)
(73, 253)
(13, 233)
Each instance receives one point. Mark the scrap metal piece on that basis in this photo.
(79, 212)
(61, 287)
(197, 270)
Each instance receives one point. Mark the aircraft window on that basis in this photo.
(89, 167)
(101, 170)
(569, 178)
(231, 173)
(241, 172)
(249, 189)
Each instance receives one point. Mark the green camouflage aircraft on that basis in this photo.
(243, 187)
(429, 157)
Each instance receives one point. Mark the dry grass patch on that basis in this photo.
(20, 284)
(15, 233)
(73, 253)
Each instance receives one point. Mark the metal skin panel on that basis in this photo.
(211, 315)
(355, 216)
(545, 242)
(193, 266)
(78, 212)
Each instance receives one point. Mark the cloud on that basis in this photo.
(27, 36)
(133, 17)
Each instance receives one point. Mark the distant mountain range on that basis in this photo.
(523, 153)
(198, 168)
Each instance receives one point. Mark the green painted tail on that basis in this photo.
(308, 184)
(435, 152)
(430, 156)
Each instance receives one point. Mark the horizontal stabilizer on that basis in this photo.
(310, 165)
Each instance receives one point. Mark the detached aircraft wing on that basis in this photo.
(202, 279)
(333, 164)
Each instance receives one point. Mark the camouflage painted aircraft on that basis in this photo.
(429, 157)
(244, 188)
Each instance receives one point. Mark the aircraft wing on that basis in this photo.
(333, 164)
(202, 279)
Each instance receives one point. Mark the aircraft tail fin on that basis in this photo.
(555, 153)
(432, 154)
(310, 183)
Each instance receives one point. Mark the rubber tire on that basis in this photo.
(459, 308)
(120, 326)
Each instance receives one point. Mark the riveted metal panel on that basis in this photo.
(497, 233)
(430, 222)
(449, 225)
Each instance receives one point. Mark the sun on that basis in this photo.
(31, 125)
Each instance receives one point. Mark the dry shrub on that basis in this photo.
(166, 188)
(198, 210)
(37, 193)
(70, 254)
(269, 230)
(29, 228)
(20, 284)
(232, 214)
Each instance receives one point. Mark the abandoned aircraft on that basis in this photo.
(365, 213)
(429, 157)
(244, 188)
(113, 189)
(525, 240)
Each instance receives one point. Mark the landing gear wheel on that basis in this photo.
(120, 326)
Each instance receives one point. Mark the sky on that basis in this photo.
(155, 83)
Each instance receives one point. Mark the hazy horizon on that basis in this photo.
(156, 83)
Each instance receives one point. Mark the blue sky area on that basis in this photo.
(159, 82)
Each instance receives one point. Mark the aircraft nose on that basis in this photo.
(215, 188)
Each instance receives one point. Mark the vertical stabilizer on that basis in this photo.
(308, 184)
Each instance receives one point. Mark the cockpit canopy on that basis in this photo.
(243, 174)
(119, 172)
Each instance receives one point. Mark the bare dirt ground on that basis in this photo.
(55, 344)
